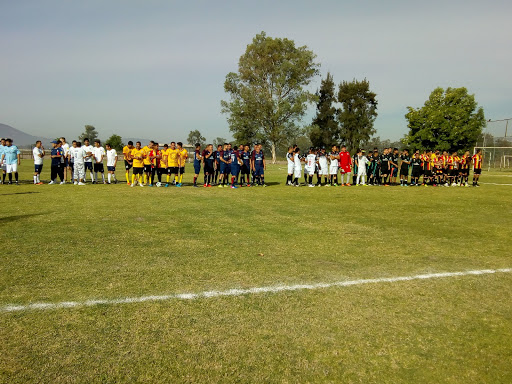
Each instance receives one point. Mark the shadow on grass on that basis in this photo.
(9, 219)
(17, 193)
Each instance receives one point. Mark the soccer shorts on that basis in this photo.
(404, 171)
(99, 167)
(222, 167)
(384, 170)
(297, 172)
(88, 165)
(38, 168)
(172, 170)
(416, 172)
(477, 171)
(197, 168)
(393, 172)
(181, 170)
(3, 166)
(208, 169)
(464, 172)
(138, 170)
(148, 168)
(454, 172)
(345, 169)
(291, 167)
(127, 165)
(333, 170)
(66, 162)
(258, 171)
(11, 168)
(246, 169)
(111, 168)
(235, 171)
(427, 173)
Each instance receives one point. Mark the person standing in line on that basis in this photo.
(197, 163)
(65, 159)
(11, 157)
(477, 167)
(361, 162)
(182, 159)
(98, 154)
(77, 154)
(56, 167)
(137, 156)
(38, 154)
(127, 150)
(111, 163)
(297, 167)
(88, 159)
(2, 164)
(208, 165)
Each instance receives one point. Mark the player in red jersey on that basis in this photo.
(345, 165)
(477, 167)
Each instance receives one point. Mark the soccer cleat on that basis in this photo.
(132, 185)
(178, 185)
(206, 185)
(196, 186)
(62, 182)
(219, 186)
(234, 187)
(327, 185)
(150, 185)
(466, 185)
(311, 186)
(76, 183)
(209, 186)
(128, 183)
(141, 185)
(335, 185)
(80, 183)
(40, 183)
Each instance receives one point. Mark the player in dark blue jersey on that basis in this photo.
(224, 161)
(246, 166)
(197, 163)
(216, 156)
(208, 165)
(258, 165)
(235, 166)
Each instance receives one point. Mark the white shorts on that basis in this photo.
(362, 172)
(291, 167)
(11, 168)
(297, 173)
(323, 171)
(333, 170)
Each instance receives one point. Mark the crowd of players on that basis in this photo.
(228, 166)
(434, 168)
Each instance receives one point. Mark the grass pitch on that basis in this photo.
(69, 243)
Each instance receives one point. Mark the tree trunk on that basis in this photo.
(273, 148)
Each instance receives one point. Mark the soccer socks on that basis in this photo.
(133, 178)
(176, 179)
(35, 179)
(262, 180)
(103, 177)
(109, 177)
(195, 180)
(10, 177)
(181, 178)
(127, 174)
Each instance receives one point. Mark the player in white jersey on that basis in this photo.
(78, 154)
(87, 147)
(65, 159)
(311, 163)
(38, 154)
(289, 158)
(362, 161)
(2, 163)
(297, 168)
(323, 167)
(98, 153)
(111, 163)
(334, 156)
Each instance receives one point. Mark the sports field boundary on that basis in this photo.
(240, 292)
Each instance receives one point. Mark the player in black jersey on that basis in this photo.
(405, 162)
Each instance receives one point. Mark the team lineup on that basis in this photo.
(237, 166)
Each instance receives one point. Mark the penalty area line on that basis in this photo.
(241, 291)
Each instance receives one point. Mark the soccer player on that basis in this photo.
(137, 157)
(334, 157)
(148, 169)
(235, 164)
(374, 168)
(297, 168)
(258, 165)
(405, 161)
(56, 167)
(416, 169)
(127, 150)
(345, 166)
(224, 161)
(11, 157)
(71, 160)
(208, 165)
(323, 167)
(197, 163)
(477, 167)
(355, 167)
(246, 166)
(111, 163)
(453, 165)
(2, 163)
(289, 159)
(38, 154)
(65, 159)
(393, 163)
(384, 167)
(361, 162)
(182, 159)
(98, 153)
(171, 158)
(427, 167)
(311, 163)
(216, 163)
(157, 163)
(77, 153)
(88, 159)
(465, 164)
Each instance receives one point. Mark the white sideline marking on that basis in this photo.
(496, 183)
(238, 292)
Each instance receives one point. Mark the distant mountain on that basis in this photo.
(22, 139)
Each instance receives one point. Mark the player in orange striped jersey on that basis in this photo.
(477, 167)
(426, 158)
(465, 163)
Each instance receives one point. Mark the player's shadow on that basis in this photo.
(10, 219)
(17, 193)
(274, 183)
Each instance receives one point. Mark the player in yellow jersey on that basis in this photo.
(137, 156)
(147, 162)
(171, 158)
(127, 150)
(182, 159)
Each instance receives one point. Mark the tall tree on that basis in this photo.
(195, 137)
(219, 140)
(325, 130)
(449, 120)
(357, 113)
(116, 142)
(89, 133)
(267, 95)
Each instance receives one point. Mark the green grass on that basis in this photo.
(63, 243)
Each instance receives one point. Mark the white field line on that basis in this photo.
(239, 292)
(496, 184)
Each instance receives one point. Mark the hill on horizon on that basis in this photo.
(22, 139)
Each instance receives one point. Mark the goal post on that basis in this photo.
(496, 144)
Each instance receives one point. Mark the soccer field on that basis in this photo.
(138, 284)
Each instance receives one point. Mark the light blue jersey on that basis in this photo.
(11, 154)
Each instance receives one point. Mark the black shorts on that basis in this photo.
(88, 165)
(147, 168)
(439, 171)
(427, 173)
(172, 170)
(477, 171)
(127, 165)
(404, 171)
(245, 169)
(138, 170)
(416, 172)
(446, 171)
(181, 170)
(66, 162)
(393, 172)
(384, 170)
(98, 167)
(208, 169)
(454, 172)
(464, 171)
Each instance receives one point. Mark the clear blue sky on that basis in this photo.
(155, 69)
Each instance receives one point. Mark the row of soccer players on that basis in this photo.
(150, 163)
(382, 169)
